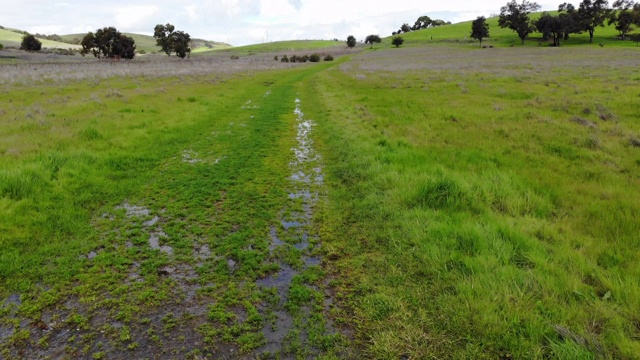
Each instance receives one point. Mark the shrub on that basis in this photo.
(275, 58)
(141, 52)
(294, 58)
(314, 58)
(1, 46)
(30, 43)
(397, 41)
(284, 59)
(328, 58)
(235, 57)
(304, 59)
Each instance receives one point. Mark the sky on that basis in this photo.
(240, 22)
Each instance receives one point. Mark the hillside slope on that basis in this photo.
(460, 33)
(10, 38)
(148, 43)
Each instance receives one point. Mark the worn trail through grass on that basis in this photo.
(210, 252)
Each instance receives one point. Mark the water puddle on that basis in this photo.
(134, 211)
(191, 157)
(151, 224)
(305, 178)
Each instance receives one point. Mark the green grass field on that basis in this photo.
(283, 46)
(432, 201)
(13, 39)
(485, 211)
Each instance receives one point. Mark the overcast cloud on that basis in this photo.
(239, 22)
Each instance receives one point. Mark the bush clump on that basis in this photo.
(30, 43)
(328, 58)
(314, 58)
(284, 59)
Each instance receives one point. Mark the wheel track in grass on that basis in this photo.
(215, 258)
(287, 332)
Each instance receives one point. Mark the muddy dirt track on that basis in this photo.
(162, 287)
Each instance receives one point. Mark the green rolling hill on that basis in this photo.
(460, 32)
(12, 38)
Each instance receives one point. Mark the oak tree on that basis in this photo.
(351, 41)
(479, 29)
(371, 39)
(515, 16)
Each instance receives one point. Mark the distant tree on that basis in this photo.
(351, 41)
(438, 22)
(423, 22)
(554, 26)
(479, 29)
(30, 43)
(108, 43)
(371, 39)
(162, 33)
(405, 28)
(516, 17)
(172, 41)
(397, 41)
(625, 14)
(394, 33)
(593, 13)
(180, 43)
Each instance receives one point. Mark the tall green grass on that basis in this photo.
(470, 216)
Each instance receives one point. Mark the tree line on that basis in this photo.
(109, 43)
(589, 15)
(423, 22)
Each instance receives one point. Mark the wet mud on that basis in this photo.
(294, 230)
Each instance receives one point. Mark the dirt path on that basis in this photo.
(216, 258)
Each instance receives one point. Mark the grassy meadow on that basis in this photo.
(474, 204)
(485, 211)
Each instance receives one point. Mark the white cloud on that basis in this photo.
(133, 17)
(297, 4)
(242, 21)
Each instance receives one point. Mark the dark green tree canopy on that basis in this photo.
(30, 43)
(554, 26)
(479, 29)
(371, 39)
(162, 33)
(172, 41)
(351, 41)
(180, 43)
(108, 43)
(397, 41)
(516, 17)
(589, 15)
(423, 22)
(626, 14)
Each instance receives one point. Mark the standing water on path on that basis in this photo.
(288, 324)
